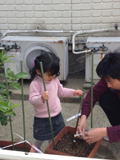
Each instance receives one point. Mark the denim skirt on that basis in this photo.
(42, 130)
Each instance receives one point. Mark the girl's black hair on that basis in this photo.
(50, 64)
(109, 66)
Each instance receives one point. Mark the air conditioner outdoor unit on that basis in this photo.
(26, 48)
(102, 45)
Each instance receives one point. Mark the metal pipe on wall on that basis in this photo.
(89, 31)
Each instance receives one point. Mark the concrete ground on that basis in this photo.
(69, 108)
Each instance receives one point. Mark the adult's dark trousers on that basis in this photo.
(110, 104)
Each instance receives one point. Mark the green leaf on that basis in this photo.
(2, 85)
(4, 103)
(15, 85)
(10, 74)
(6, 60)
(9, 104)
(3, 109)
(10, 113)
(3, 55)
(9, 56)
(14, 106)
(5, 92)
(3, 119)
(1, 97)
(21, 75)
(6, 106)
(2, 74)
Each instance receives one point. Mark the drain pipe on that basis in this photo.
(90, 31)
(36, 31)
(60, 31)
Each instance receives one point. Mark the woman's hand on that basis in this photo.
(78, 92)
(45, 96)
(94, 135)
(82, 125)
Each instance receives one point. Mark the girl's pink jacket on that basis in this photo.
(55, 90)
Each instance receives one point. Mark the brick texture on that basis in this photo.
(65, 15)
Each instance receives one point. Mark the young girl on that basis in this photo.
(38, 97)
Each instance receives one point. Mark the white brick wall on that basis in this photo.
(58, 14)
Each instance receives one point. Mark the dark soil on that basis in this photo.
(79, 148)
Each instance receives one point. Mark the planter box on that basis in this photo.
(50, 150)
(21, 145)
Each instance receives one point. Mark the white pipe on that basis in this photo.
(39, 151)
(75, 135)
(1, 48)
(12, 145)
(36, 31)
(89, 31)
(30, 144)
(75, 116)
(49, 31)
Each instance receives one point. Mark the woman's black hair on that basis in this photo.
(109, 66)
(50, 64)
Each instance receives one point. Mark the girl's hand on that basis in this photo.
(81, 125)
(45, 96)
(78, 92)
(94, 135)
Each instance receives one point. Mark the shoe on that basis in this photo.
(106, 139)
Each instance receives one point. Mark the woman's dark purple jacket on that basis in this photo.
(98, 90)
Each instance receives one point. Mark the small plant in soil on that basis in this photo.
(6, 106)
